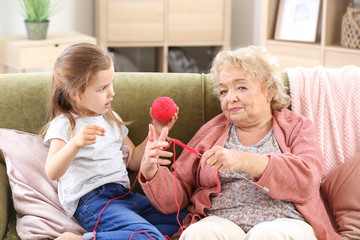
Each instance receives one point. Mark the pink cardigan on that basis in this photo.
(292, 176)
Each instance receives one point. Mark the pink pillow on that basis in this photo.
(40, 214)
(342, 192)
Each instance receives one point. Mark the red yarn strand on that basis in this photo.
(175, 191)
(141, 232)
(218, 184)
(94, 230)
(196, 152)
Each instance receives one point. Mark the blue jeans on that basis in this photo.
(125, 216)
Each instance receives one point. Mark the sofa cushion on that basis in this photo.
(4, 207)
(40, 214)
(340, 188)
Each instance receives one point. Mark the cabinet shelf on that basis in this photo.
(163, 24)
(294, 44)
(339, 48)
(326, 51)
(21, 54)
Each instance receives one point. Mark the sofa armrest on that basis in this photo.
(4, 199)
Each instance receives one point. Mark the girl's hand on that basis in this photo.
(87, 135)
(159, 125)
(153, 151)
(62, 154)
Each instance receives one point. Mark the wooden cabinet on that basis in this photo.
(18, 52)
(163, 24)
(134, 21)
(326, 51)
(196, 21)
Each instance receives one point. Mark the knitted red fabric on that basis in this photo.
(163, 109)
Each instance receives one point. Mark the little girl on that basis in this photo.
(88, 144)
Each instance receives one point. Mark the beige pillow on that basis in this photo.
(40, 215)
(342, 192)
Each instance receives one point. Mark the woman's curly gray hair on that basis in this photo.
(259, 64)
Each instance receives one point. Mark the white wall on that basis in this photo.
(245, 28)
(74, 15)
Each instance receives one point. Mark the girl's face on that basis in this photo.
(99, 93)
(243, 99)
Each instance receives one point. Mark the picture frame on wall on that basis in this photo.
(298, 20)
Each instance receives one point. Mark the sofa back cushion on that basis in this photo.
(24, 101)
(192, 93)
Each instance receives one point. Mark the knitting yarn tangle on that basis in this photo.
(163, 109)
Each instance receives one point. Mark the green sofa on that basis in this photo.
(23, 103)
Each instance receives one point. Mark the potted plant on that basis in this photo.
(36, 14)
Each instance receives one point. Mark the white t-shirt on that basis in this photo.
(94, 165)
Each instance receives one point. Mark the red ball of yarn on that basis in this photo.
(163, 109)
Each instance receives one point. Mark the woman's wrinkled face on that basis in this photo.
(244, 101)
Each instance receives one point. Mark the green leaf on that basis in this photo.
(39, 10)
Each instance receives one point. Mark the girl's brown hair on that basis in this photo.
(73, 70)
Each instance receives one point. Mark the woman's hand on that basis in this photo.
(221, 159)
(153, 151)
(159, 125)
(87, 135)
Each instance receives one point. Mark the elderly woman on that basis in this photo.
(265, 158)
